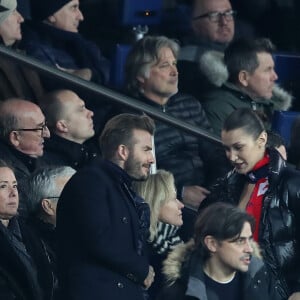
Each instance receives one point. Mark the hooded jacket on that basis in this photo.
(185, 277)
(204, 75)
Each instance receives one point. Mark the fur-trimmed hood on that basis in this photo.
(172, 266)
(212, 66)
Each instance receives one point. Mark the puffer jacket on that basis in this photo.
(185, 277)
(279, 227)
(192, 160)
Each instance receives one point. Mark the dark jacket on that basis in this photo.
(62, 152)
(69, 50)
(23, 165)
(100, 253)
(192, 78)
(202, 71)
(17, 280)
(165, 240)
(18, 81)
(192, 160)
(219, 103)
(279, 227)
(185, 277)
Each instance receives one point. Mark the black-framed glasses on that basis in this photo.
(52, 197)
(216, 16)
(42, 128)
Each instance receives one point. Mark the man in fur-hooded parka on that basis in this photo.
(222, 259)
(248, 80)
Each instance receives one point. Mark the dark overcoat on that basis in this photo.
(97, 229)
(16, 277)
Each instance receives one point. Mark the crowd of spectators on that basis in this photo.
(94, 196)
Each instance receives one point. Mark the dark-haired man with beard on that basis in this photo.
(102, 224)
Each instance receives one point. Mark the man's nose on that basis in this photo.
(249, 246)
(46, 132)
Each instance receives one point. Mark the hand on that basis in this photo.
(193, 195)
(150, 278)
(295, 296)
(84, 73)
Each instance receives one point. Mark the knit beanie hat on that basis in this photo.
(6, 8)
(42, 9)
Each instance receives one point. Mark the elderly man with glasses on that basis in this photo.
(22, 132)
(212, 24)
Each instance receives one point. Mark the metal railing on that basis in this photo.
(106, 93)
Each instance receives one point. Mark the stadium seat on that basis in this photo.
(287, 67)
(118, 62)
(282, 123)
(140, 12)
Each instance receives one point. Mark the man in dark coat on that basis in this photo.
(16, 80)
(212, 29)
(44, 189)
(71, 125)
(221, 261)
(151, 75)
(102, 224)
(53, 38)
(22, 133)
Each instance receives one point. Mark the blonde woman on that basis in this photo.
(166, 217)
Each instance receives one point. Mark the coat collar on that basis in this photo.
(184, 264)
(211, 64)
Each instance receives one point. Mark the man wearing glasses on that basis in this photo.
(22, 132)
(212, 24)
(213, 21)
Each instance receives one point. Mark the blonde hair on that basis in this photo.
(156, 190)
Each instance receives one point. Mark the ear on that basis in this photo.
(262, 139)
(14, 138)
(51, 19)
(123, 152)
(243, 78)
(48, 207)
(61, 126)
(211, 243)
(140, 79)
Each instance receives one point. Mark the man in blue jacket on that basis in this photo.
(102, 224)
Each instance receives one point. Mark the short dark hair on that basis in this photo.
(274, 140)
(52, 106)
(246, 119)
(242, 55)
(119, 130)
(222, 221)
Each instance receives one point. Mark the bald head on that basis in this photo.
(220, 31)
(22, 124)
(13, 112)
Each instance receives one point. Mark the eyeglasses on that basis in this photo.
(215, 16)
(52, 197)
(42, 129)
